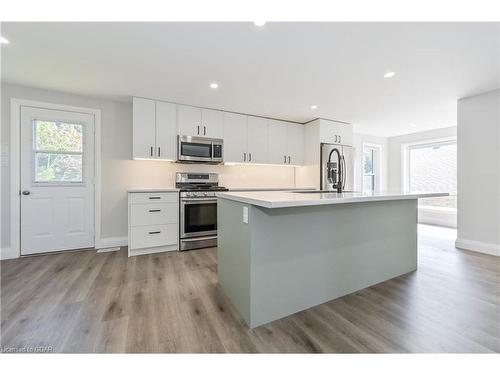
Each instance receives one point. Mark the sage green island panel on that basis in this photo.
(289, 259)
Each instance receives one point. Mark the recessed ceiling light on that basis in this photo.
(214, 85)
(259, 23)
(3, 40)
(389, 74)
(314, 107)
(413, 125)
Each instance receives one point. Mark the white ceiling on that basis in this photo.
(278, 70)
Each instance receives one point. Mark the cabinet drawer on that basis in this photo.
(154, 197)
(153, 236)
(154, 213)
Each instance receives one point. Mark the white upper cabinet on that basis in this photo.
(154, 129)
(212, 123)
(144, 128)
(257, 140)
(247, 139)
(335, 132)
(278, 149)
(166, 131)
(189, 120)
(295, 143)
(235, 138)
(201, 122)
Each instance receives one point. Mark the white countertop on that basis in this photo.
(152, 190)
(280, 199)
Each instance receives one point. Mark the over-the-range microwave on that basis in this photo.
(199, 150)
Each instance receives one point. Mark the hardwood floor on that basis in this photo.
(105, 302)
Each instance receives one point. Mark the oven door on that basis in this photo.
(198, 217)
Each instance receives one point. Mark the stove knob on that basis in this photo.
(205, 194)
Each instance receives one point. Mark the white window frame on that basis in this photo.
(376, 167)
(443, 216)
(35, 151)
(407, 147)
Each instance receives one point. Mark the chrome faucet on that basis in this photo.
(336, 175)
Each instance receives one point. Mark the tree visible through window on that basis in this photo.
(433, 167)
(58, 151)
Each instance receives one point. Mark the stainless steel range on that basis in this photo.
(198, 209)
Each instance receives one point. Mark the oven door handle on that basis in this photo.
(198, 201)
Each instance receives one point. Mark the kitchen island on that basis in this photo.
(283, 252)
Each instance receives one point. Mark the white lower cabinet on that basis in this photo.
(153, 222)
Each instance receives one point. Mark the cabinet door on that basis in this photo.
(212, 123)
(143, 125)
(257, 140)
(235, 138)
(189, 120)
(295, 143)
(166, 131)
(278, 152)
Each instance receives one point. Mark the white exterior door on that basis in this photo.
(57, 180)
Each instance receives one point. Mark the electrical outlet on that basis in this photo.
(245, 214)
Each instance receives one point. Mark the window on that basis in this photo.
(57, 152)
(370, 168)
(433, 167)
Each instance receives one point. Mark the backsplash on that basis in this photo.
(162, 174)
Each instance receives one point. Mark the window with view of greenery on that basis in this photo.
(58, 151)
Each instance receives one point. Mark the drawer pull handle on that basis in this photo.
(154, 197)
(157, 232)
(154, 210)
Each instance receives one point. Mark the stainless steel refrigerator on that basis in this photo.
(348, 153)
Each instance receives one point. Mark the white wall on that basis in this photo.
(479, 173)
(359, 141)
(395, 150)
(119, 172)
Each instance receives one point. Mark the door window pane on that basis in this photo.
(58, 167)
(433, 167)
(58, 136)
(57, 152)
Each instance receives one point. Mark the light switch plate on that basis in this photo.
(245, 214)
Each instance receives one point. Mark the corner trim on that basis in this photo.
(477, 246)
(8, 253)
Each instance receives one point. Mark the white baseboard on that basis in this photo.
(8, 253)
(480, 247)
(104, 243)
(444, 218)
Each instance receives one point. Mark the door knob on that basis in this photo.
(26, 192)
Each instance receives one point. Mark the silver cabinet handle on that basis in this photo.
(155, 232)
(159, 152)
(26, 192)
(340, 139)
(198, 129)
(285, 160)
(249, 156)
(154, 197)
(151, 151)
(204, 130)
(288, 159)
(154, 210)
(244, 156)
